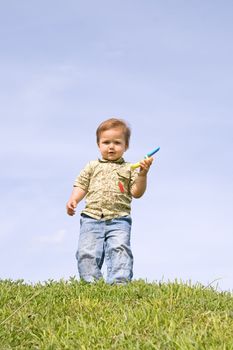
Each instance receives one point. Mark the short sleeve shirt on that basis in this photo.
(108, 185)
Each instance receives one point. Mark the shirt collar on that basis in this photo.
(117, 161)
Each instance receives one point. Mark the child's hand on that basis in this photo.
(76, 196)
(70, 207)
(145, 165)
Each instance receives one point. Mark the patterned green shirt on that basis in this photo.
(108, 185)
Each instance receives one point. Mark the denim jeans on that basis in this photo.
(107, 240)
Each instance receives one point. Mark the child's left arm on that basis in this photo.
(139, 186)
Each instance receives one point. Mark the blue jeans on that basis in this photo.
(109, 240)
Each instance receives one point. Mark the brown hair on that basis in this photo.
(114, 123)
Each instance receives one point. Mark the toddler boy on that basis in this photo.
(108, 185)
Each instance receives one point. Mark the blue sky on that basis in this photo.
(164, 66)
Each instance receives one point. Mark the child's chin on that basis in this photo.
(112, 157)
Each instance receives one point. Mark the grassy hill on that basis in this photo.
(74, 315)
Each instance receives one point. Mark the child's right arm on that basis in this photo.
(76, 196)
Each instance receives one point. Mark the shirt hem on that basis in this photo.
(104, 217)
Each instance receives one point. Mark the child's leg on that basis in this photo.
(118, 255)
(90, 254)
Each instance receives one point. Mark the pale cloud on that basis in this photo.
(56, 238)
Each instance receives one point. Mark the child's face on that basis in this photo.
(112, 144)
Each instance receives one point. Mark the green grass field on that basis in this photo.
(140, 315)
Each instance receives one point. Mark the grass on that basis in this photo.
(140, 315)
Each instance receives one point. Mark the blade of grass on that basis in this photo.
(20, 307)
